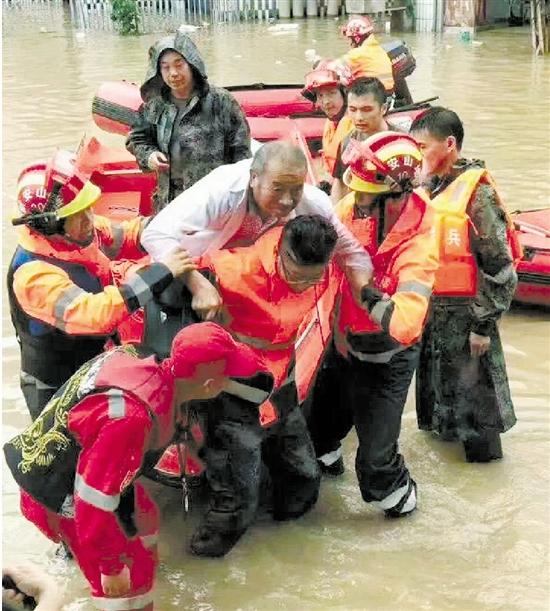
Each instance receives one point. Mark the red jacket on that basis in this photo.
(115, 428)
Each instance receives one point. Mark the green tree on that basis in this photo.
(126, 15)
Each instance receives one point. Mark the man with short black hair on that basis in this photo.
(266, 289)
(462, 391)
(367, 108)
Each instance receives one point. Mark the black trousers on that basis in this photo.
(36, 395)
(370, 396)
(327, 408)
(235, 446)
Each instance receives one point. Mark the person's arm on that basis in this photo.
(402, 316)
(32, 582)
(121, 240)
(189, 221)
(237, 140)
(47, 293)
(142, 140)
(497, 278)
(111, 457)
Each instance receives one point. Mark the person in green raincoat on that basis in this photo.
(186, 127)
(462, 390)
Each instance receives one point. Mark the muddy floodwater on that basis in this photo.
(480, 538)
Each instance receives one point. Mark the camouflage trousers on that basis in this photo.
(458, 396)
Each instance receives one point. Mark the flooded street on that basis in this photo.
(480, 538)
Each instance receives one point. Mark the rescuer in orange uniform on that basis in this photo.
(462, 385)
(377, 346)
(78, 464)
(323, 87)
(62, 302)
(266, 289)
(366, 58)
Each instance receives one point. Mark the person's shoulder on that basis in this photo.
(313, 197)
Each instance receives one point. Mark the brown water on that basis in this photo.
(480, 538)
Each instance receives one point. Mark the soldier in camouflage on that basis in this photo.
(462, 390)
(186, 127)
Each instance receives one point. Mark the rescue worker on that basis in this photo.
(77, 465)
(367, 108)
(62, 302)
(462, 390)
(366, 58)
(266, 289)
(367, 377)
(324, 89)
(235, 204)
(186, 127)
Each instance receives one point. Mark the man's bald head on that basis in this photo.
(280, 154)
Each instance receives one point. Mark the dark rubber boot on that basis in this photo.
(485, 448)
(213, 544)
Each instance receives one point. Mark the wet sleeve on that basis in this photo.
(47, 293)
(121, 240)
(403, 314)
(142, 139)
(497, 278)
(107, 466)
(237, 141)
(190, 220)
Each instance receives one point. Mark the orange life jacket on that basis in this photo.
(457, 273)
(261, 309)
(370, 60)
(404, 267)
(333, 135)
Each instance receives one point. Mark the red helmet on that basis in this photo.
(358, 27)
(53, 186)
(387, 161)
(324, 75)
(57, 187)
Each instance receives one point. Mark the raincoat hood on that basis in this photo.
(153, 84)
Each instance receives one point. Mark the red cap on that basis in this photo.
(207, 342)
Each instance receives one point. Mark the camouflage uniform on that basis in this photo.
(458, 396)
(211, 130)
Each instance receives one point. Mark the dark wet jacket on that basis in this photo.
(211, 131)
(460, 396)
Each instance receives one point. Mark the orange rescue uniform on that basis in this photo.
(404, 269)
(370, 60)
(333, 134)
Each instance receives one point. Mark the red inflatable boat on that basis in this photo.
(534, 269)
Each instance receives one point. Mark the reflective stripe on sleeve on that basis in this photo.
(131, 603)
(63, 302)
(379, 309)
(249, 393)
(107, 502)
(117, 405)
(118, 236)
(413, 286)
(141, 289)
(376, 357)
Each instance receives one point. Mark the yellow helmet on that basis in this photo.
(385, 162)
